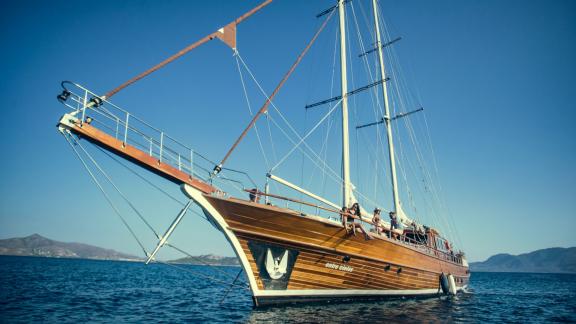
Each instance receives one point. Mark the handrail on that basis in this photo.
(403, 239)
(94, 109)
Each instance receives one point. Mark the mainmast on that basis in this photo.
(346, 194)
(387, 118)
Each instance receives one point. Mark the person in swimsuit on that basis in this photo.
(376, 221)
(355, 211)
(393, 223)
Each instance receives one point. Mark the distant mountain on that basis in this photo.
(209, 259)
(555, 260)
(37, 245)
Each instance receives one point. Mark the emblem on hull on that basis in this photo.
(276, 267)
(275, 264)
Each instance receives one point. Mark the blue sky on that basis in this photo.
(496, 79)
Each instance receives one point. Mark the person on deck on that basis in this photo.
(254, 195)
(393, 223)
(355, 211)
(376, 221)
(345, 217)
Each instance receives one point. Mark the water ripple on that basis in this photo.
(68, 290)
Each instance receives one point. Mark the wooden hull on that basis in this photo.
(323, 261)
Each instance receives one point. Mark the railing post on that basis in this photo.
(161, 144)
(84, 107)
(117, 126)
(179, 165)
(191, 162)
(150, 140)
(126, 128)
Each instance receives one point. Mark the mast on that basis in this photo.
(344, 87)
(387, 118)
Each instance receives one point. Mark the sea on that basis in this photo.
(52, 290)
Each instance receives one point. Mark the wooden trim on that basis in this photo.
(277, 211)
(320, 248)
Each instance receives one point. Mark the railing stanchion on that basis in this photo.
(179, 163)
(117, 127)
(85, 103)
(191, 162)
(150, 140)
(161, 144)
(126, 128)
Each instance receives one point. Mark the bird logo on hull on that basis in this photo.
(276, 267)
(274, 262)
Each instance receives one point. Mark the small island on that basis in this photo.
(39, 246)
(552, 260)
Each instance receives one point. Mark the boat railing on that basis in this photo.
(95, 110)
(368, 224)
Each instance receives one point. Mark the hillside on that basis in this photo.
(37, 245)
(552, 260)
(209, 259)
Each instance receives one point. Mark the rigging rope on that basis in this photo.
(401, 82)
(333, 173)
(106, 196)
(118, 190)
(141, 177)
(74, 142)
(250, 110)
(243, 286)
(216, 34)
(198, 259)
(273, 94)
(302, 139)
(284, 119)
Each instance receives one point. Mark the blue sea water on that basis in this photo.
(71, 290)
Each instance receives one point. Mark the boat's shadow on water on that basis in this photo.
(430, 309)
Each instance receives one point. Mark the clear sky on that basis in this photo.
(497, 79)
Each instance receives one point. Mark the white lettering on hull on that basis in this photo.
(341, 267)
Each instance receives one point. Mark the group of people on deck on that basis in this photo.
(349, 216)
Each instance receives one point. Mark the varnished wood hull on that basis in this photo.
(324, 262)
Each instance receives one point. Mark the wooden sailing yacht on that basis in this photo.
(287, 255)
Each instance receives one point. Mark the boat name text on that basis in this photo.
(341, 267)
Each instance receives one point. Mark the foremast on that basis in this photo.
(346, 187)
(387, 118)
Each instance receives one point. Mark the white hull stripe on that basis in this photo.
(197, 196)
(347, 292)
(343, 292)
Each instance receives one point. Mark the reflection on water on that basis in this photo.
(60, 290)
(428, 310)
